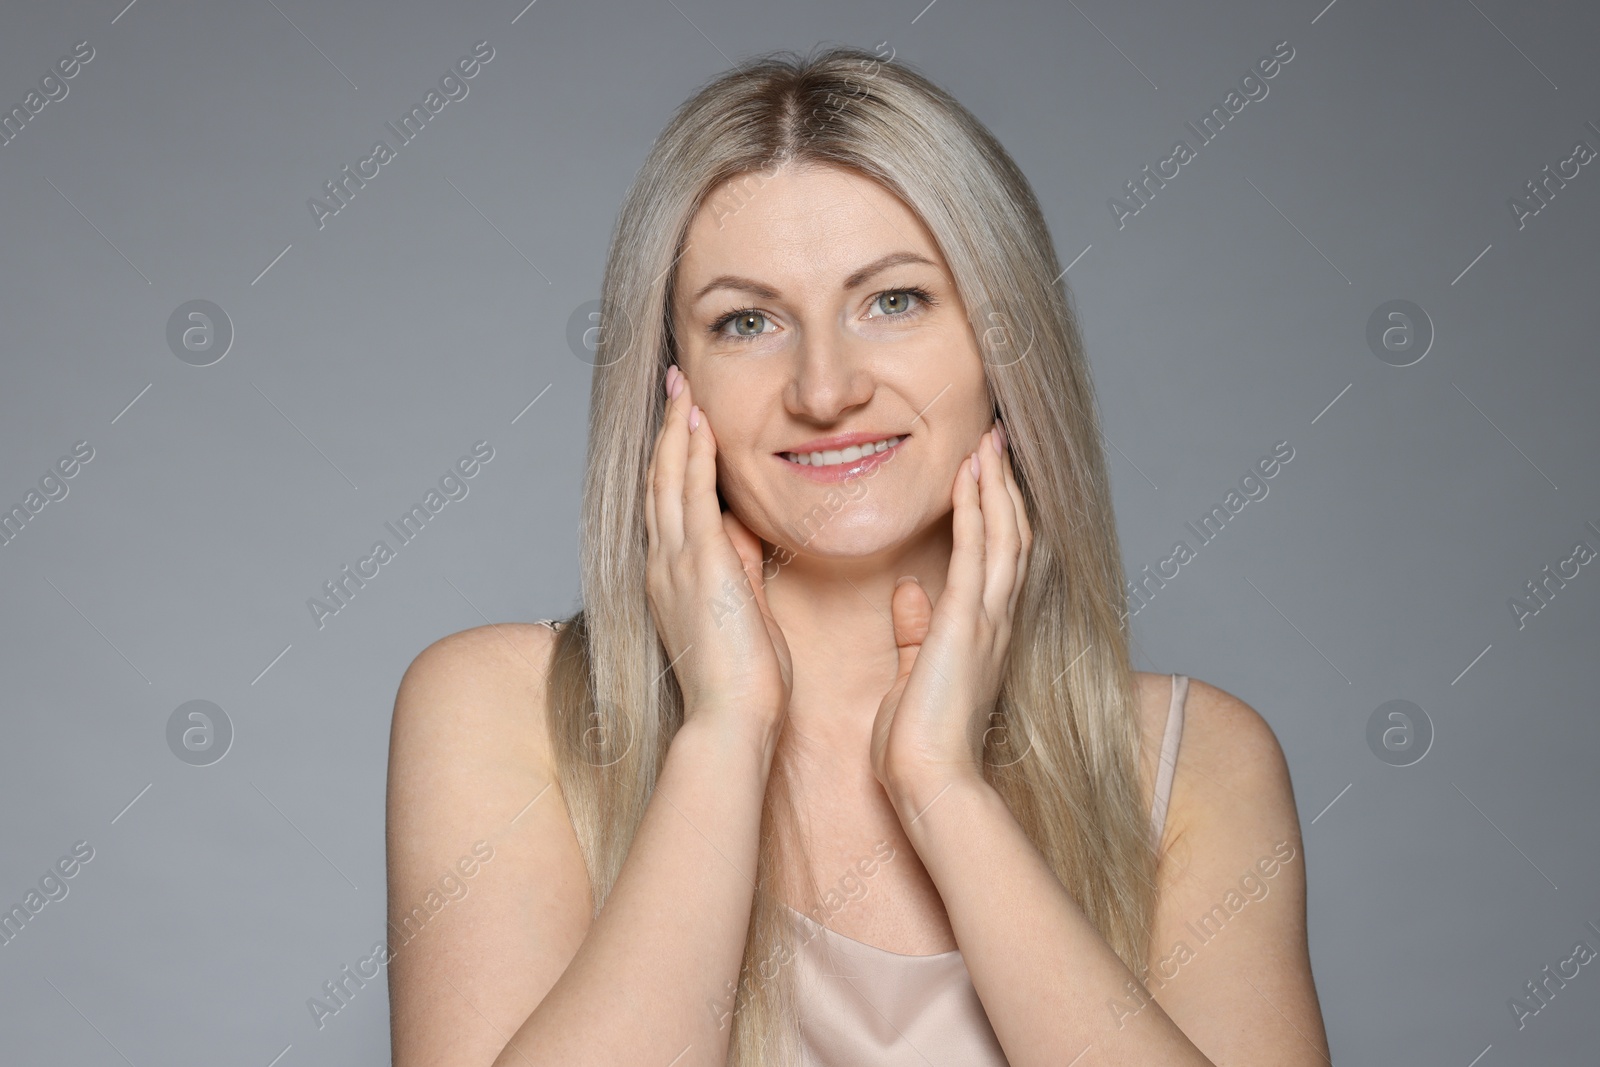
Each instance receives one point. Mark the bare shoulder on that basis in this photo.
(1230, 768)
(1232, 856)
(486, 677)
(1229, 762)
(488, 894)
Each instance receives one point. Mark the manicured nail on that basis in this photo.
(976, 469)
(904, 578)
(677, 384)
(996, 439)
(672, 377)
(694, 417)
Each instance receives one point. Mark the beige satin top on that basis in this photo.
(865, 1005)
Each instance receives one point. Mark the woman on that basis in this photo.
(829, 811)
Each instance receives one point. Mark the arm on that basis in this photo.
(515, 973)
(1053, 988)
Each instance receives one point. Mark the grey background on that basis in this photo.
(1229, 314)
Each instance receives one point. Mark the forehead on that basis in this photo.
(813, 222)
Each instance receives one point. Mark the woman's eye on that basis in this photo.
(896, 302)
(746, 325)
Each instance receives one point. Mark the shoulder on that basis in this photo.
(483, 685)
(495, 644)
(1232, 856)
(491, 658)
(1228, 756)
(470, 791)
(1231, 784)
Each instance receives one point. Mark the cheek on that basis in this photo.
(737, 479)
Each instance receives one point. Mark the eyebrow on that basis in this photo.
(734, 281)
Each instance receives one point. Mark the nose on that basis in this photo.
(829, 379)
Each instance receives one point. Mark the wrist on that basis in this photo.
(732, 731)
(915, 794)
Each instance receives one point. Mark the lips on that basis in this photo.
(839, 471)
(840, 441)
(827, 457)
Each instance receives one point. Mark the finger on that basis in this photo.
(1002, 539)
(702, 518)
(671, 458)
(1024, 528)
(964, 580)
(652, 515)
(912, 613)
(748, 545)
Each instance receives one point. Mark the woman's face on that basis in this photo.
(798, 317)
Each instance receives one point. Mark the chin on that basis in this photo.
(859, 536)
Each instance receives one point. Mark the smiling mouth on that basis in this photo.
(842, 457)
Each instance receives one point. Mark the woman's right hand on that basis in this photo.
(704, 580)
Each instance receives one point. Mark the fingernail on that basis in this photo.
(977, 470)
(994, 439)
(694, 417)
(677, 384)
(904, 578)
(672, 376)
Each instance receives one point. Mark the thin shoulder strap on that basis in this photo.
(1169, 756)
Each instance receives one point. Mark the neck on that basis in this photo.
(835, 615)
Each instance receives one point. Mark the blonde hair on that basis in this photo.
(1065, 757)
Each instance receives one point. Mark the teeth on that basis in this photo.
(833, 457)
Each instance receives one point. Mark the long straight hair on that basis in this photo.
(1064, 750)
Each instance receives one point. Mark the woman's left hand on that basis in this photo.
(930, 726)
